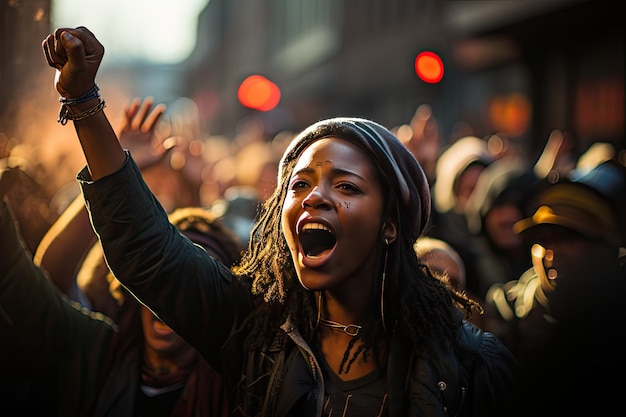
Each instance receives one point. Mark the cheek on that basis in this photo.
(363, 221)
(288, 218)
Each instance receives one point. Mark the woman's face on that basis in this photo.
(331, 216)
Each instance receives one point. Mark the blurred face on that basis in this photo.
(331, 217)
(160, 338)
(465, 185)
(499, 226)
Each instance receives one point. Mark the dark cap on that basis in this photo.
(577, 207)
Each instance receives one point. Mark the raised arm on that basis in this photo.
(192, 292)
(76, 55)
(65, 245)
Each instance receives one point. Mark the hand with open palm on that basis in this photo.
(139, 135)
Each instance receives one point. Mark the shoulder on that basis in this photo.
(476, 343)
(492, 372)
(479, 366)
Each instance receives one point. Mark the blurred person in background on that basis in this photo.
(558, 157)
(84, 362)
(32, 199)
(422, 139)
(564, 317)
(22, 378)
(446, 263)
(496, 204)
(151, 370)
(256, 168)
(458, 168)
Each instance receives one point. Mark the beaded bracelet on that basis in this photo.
(65, 115)
(89, 95)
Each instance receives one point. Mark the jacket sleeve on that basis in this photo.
(493, 372)
(184, 286)
(49, 333)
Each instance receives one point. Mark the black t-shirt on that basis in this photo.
(361, 397)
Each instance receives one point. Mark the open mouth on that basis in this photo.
(316, 240)
(161, 328)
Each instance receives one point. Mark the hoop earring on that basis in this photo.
(319, 311)
(382, 287)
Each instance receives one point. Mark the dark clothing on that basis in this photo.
(61, 340)
(451, 227)
(203, 302)
(571, 364)
(79, 370)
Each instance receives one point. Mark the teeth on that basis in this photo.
(315, 226)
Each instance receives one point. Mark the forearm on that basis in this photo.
(65, 245)
(102, 150)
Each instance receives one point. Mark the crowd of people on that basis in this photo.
(347, 269)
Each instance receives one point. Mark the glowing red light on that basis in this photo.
(259, 93)
(429, 67)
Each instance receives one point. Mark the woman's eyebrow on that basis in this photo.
(334, 170)
(339, 171)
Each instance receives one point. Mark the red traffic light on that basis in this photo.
(259, 93)
(429, 67)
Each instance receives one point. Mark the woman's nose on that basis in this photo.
(316, 199)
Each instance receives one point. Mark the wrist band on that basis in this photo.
(64, 112)
(65, 115)
(89, 95)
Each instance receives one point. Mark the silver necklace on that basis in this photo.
(349, 329)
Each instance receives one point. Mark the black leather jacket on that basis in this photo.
(200, 299)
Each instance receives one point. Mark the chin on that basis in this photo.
(313, 283)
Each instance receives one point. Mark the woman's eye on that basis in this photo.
(298, 184)
(348, 187)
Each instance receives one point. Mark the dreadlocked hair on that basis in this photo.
(417, 305)
(348, 360)
(299, 306)
(269, 266)
(268, 260)
(467, 304)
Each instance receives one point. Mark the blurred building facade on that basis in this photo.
(521, 68)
